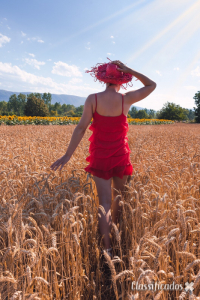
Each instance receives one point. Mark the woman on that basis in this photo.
(109, 152)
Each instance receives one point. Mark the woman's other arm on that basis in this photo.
(77, 135)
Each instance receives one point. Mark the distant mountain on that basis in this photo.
(62, 98)
(67, 99)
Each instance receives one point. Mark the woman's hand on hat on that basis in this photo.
(121, 67)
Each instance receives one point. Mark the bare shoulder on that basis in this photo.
(90, 97)
(90, 100)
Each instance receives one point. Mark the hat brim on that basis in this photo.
(99, 73)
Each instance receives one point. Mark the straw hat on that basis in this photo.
(108, 73)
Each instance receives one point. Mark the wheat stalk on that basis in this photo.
(113, 272)
(48, 221)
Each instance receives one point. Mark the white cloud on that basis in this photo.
(75, 80)
(13, 74)
(34, 62)
(176, 69)
(158, 72)
(33, 39)
(86, 69)
(191, 87)
(5, 19)
(64, 69)
(196, 72)
(112, 37)
(31, 54)
(49, 59)
(22, 42)
(110, 54)
(8, 27)
(88, 46)
(4, 39)
(23, 34)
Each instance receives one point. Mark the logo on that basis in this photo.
(189, 286)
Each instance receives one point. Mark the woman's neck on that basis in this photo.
(112, 89)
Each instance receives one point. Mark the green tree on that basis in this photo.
(53, 113)
(79, 109)
(37, 95)
(191, 114)
(21, 98)
(172, 111)
(13, 104)
(64, 108)
(70, 107)
(142, 114)
(3, 108)
(47, 99)
(152, 114)
(35, 107)
(133, 112)
(71, 113)
(58, 107)
(197, 109)
(16, 104)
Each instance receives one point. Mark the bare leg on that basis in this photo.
(105, 197)
(118, 184)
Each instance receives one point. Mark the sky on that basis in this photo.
(47, 45)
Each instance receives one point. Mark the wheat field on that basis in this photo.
(50, 246)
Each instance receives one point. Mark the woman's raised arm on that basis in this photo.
(137, 95)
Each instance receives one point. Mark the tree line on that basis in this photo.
(36, 104)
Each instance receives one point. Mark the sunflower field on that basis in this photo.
(16, 120)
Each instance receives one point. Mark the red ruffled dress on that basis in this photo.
(109, 149)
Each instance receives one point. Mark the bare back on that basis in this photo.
(109, 103)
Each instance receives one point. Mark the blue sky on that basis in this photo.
(46, 46)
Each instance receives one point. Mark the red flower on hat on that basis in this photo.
(108, 73)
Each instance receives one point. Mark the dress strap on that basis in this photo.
(122, 103)
(96, 102)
